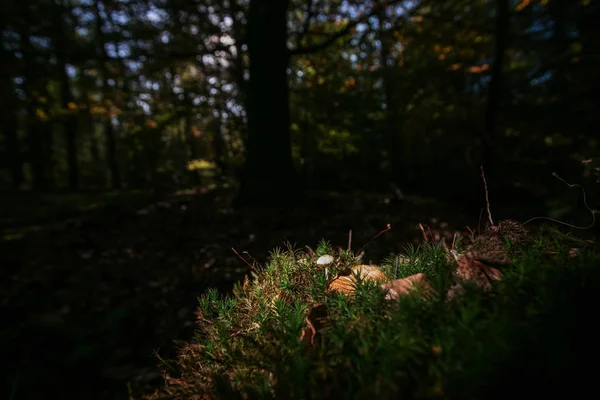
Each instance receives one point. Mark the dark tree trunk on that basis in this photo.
(13, 151)
(494, 94)
(192, 143)
(37, 130)
(109, 131)
(392, 135)
(61, 47)
(268, 175)
(9, 126)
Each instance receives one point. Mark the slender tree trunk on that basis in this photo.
(494, 94)
(13, 151)
(70, 118)
(9, 126)
(36, 131)
(90, 124)
(392, 135)
(219, 146)
(109, 131)
(268, 176)
(192, 143)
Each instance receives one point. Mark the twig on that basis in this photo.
(389, 226)
(487, 197)
(570, 185)
(479, 221)
(430, 233)
(244, 260)
(13, 392)
(350, 240)
(249, 255)
(423, 231)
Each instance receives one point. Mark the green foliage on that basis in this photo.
(475, 346)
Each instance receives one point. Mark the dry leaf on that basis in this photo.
(402, 287)
(345, 282)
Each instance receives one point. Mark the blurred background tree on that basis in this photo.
(298, 95)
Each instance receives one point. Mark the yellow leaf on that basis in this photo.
(455, 67)
(72, 106)
(151, 124)
(41, 114)
(521, 6)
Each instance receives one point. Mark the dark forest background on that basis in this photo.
(136, 135)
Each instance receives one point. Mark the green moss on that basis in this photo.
(527, 336)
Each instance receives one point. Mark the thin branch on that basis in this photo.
(487, 197)
(329, 41)
(244, 260)
(389, 226)
(350, 240)
(570, 185)
(343, 32)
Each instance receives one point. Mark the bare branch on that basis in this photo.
(487, 197)
(329, 41)
(343, 32)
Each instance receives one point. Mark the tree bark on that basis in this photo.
(70, 117)
(37, 129)
(9, 126)
(268, 177)
(494, 94)
(109, 131)
(392, 134)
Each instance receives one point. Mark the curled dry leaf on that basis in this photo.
(402, 287)
(345, 282)
(316, 322)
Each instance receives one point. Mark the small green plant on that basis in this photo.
(250, 345)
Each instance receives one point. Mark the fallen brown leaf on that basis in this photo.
(402, 287)
(346, 281)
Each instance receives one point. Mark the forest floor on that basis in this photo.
(94, 290)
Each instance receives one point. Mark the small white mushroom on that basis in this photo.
(325, 260)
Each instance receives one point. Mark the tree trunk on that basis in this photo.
(494, 95)
(70, 117)
(392, 134)
(268, 175)
(109, 131)
(36, 129)
(9, 126)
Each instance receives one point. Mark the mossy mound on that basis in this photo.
(531, 335)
